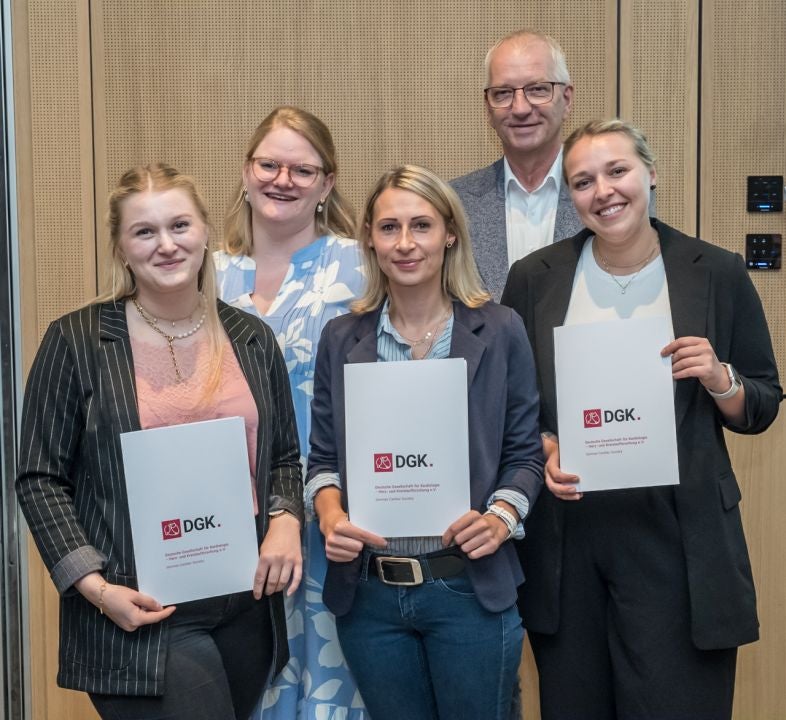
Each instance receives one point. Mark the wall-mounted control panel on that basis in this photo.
(763, 251)
(765, 193)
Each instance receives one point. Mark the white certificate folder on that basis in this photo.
(191, 508)
(615, 402)
(407, 445)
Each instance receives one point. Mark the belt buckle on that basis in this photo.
(412, 563)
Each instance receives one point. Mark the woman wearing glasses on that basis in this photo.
(288, 258)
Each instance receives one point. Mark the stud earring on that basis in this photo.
(652, 187)
(450, 244)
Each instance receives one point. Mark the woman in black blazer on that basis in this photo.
(637, 599)
(157, 350)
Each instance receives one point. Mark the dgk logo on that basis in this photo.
(596, 417)
(171, 529)
(592, 418)
(383, 462)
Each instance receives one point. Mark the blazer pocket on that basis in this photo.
(91, 639)
(729, 490)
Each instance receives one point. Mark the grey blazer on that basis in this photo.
(711, 296)
(80, 396)
(483, 195)
(504, 444)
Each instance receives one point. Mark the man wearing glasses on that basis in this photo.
(519, 203)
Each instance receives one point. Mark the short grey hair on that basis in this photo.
(523, 37)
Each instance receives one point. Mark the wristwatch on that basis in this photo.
(735, 381)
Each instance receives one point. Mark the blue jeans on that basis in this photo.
(430, 651)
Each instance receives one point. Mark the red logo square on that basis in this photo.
(592, 418)
(171, 529)
(383, 462)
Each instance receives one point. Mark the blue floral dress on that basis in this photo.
(322, 280)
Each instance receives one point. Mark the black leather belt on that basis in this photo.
(412, 570)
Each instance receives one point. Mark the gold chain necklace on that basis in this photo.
(643, 263)
(430, 337)
(170, 339)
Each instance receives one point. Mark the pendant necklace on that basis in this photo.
(430, 337)
(170, 339)
(623, 286)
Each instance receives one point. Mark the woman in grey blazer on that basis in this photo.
(157, 350)
(429, 624)
(636, 599)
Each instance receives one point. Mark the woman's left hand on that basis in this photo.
(694, 357)
(477, 535)
(280, 557)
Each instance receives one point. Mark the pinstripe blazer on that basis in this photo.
(482, 193)
(80, 396)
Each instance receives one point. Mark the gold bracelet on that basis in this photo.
(101, 591)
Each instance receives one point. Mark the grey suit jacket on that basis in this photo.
(711, 296)
(504, 444)
(483, 195)
(80, 396)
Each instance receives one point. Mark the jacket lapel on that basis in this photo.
(688, 283)
(365, 350)
(117, 381)
(566, 222)
(251, 358)
(553, 287)
(465, 342)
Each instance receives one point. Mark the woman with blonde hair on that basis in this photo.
(159, 349)
(443, 641)
(637, 598)
(289, 259)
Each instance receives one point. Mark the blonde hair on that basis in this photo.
(521, 38)
(160, 177)
(605, 127)
(336, 217)
(460, 277)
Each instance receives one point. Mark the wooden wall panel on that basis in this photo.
(395, 82)
(57, 248)
(743, 127)
(758, 463)
(659, 93)
(62, 157)
(743, 133)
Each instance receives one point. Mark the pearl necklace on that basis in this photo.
(170, 339)
(641, 265)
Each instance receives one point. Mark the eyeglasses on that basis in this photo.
(301, 174)
(538, 93)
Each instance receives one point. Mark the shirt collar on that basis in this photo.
(554, 176)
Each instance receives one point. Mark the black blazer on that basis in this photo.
(80, 396)
(711, 296)
(504, 444)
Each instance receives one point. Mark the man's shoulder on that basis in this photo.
(478, 181)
